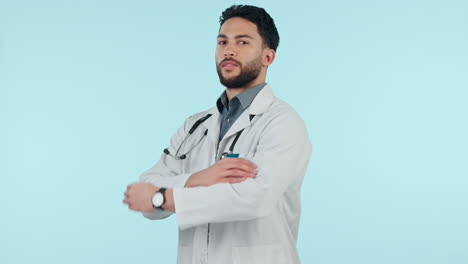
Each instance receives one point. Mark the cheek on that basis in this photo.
(218, 58)
(219, 52)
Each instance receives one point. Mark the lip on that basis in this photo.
(229, 64)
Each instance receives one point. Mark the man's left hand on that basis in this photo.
(139, 197)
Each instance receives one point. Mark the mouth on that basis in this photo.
(228, 65)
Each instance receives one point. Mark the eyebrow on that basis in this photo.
(237, 36)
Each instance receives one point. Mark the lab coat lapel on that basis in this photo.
(242, 122)
(262, 101)
(213, 124)
(259, 105)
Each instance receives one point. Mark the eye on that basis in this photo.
(242, 42)
(221, 42)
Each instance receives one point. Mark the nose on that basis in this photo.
(229, 51)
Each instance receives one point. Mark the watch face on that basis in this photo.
(158, 199)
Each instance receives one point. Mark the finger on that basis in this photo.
(240, 164)
(247, 162)
(240, 173)
(240, 161)
(234, 179)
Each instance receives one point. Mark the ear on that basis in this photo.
(268, 56)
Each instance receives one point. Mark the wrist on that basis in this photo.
(158, 198)
(169, 200)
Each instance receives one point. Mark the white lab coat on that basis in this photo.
(255, 221)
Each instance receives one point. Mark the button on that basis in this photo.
(229, 120)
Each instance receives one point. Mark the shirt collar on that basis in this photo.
(245, 98)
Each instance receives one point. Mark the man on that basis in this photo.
(233, 173)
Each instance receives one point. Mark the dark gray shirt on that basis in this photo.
(232, 110)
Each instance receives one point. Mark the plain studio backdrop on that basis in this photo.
(91, 92)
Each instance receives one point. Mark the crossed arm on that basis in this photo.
(228, 170)
(231, 189)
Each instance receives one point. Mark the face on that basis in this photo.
(240, 56)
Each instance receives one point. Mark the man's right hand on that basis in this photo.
(230, 170)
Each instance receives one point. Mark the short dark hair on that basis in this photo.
(257, 15)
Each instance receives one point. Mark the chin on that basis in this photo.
(230, 76)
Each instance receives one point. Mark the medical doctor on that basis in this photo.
(232, 174)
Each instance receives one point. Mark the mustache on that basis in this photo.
(229, 59)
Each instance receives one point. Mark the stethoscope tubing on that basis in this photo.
(192, 129)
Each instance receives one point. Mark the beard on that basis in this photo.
(247, 74)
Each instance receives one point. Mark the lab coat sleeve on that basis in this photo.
(167, 171)
(282, 157)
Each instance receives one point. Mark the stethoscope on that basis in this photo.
(192, 129)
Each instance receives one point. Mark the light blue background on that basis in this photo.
(91, 92)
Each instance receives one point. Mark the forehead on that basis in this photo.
(239, 26)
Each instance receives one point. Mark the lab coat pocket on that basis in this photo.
(262, 254)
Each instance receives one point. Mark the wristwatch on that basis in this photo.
(158, 199)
